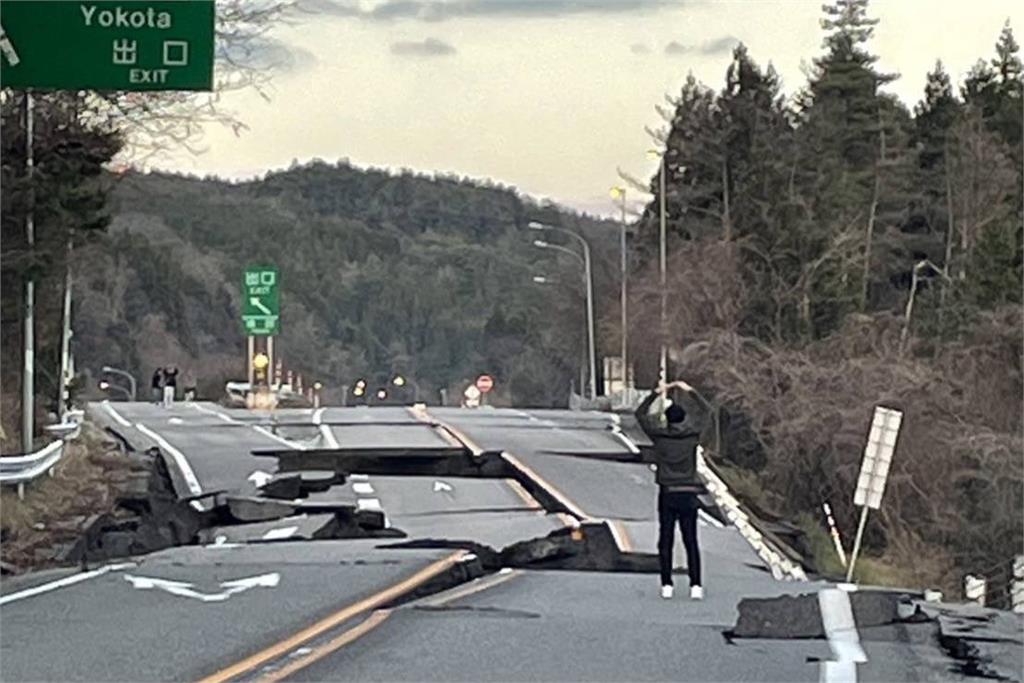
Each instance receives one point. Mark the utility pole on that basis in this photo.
(620, 193)
(65, 339)
(28, 376)
(663, 367)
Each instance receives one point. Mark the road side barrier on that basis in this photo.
(781, 567)
(21, 469)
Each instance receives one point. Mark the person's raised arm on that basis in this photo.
(643, 413)
(698, 410)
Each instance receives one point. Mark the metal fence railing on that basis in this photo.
(19, 470)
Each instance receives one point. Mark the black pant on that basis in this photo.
(681, 506)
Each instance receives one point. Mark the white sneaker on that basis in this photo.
(666, 592)
(696, 592)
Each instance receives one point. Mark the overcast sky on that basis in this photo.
(550, 96)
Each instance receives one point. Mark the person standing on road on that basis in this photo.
(675, 453)
(157, 386)
(170, 385)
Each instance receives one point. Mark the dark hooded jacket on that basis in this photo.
(675, 445)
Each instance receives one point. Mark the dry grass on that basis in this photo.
(54, 508)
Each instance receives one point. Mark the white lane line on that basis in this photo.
(61, 583)
(369, 504)
(359, 477)
(625, 439)
(280, 439)
(325, 430)
(362, 488)
(708, 519)
(222, 416)
(178, 456)
(841, 631)
(262, 430)
(280, 534)
(116, 415)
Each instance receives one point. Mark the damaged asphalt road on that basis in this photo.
(446, 545)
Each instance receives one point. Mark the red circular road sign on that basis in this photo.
(484, 383)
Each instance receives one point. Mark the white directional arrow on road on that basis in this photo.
(259, 304)
(186, 590)
(441, 486)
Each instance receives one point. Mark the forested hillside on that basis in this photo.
(382, 273)
(834, 251)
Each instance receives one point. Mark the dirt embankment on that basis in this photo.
(95, 487)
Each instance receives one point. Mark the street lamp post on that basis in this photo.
(662, 155)
(620, 193)
(126, 375)
(534, 225)
(107, 386)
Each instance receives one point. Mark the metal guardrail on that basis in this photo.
(20, 469)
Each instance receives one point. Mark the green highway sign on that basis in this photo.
(107, 44)
(261, 302)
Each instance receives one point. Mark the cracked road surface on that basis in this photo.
(263, 602)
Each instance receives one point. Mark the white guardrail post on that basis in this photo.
(1017, 585)
(21, 469)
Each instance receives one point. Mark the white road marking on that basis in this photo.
(279, 534)
(369, 504)
(626, 440)
(221, 543)
(362, 488)
(708, 519)
(186, 590)
(116, 415)
(217, 413)
(325, 431)
(179, 459)
(841, 631)
(61, 583)
(442, 486)
(176, 421)
(269, 434)
(359, 477)
(262, 430)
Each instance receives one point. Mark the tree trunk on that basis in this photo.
(726, 209)
(866, 279)
(950, 228)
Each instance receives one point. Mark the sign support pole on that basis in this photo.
(28, 375)
(271, 371)
(856, 543)
(250, 352)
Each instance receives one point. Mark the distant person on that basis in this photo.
(675, 453)
(170, 385)
(157, 384)
(189, 386)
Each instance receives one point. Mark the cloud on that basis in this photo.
(639, 49)
(431, 47)
(677, 48)
(710, 48)
(266, 53)
(441, 10)
(719, 46)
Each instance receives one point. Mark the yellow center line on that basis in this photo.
(375, 619)
(339, 617)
